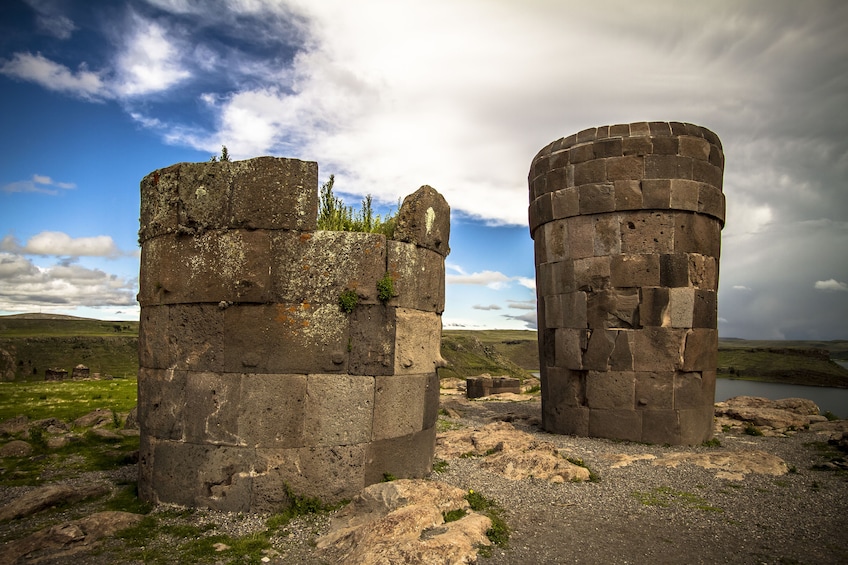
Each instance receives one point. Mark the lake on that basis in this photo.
(830, 399)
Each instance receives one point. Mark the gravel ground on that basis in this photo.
(640, 513)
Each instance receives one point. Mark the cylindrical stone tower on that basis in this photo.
(626, 221)
(276, 358)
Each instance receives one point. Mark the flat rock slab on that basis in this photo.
(730, 465)
(403, 522)
(64, 540)
(48, 496)
(511, 453)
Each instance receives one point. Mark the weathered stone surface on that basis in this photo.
(779, 415)
(730, 465)
(67, 539)
(15, 448)
(485, 385)
(424, 219)
(402, 522)
(44, 497)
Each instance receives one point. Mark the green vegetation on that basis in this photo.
(804, 363)
(440, 466)
(334, 215)
(714, 442)
(225, 156)
(498, 534)
(348, 300)
(454, 515)
(511, 353)
(593, 477)
(66, 400)
(386, 288)
(666, 496)
(752, 430)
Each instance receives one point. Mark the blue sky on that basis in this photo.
(389, 96)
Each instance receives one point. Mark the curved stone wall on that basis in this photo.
(253, 382)
(626, 221)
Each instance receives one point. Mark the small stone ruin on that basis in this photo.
(254, 382)
(80, 372)
(484, 385)
(626, 222)
(54, 374)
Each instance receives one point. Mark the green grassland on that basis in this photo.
(66, 400)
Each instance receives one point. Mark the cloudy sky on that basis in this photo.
(390, 95)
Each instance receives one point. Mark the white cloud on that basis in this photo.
(522, 304)
(54, 76)
(492, 279)
(832, 285)
(25, 286)
(61, 244)
(740, 287)
(149, 60)
(50, 20)
(489, 307)
(38, 183)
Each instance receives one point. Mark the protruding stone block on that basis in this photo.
(424, 219)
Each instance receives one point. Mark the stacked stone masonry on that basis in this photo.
(253, 381)
(626, 221)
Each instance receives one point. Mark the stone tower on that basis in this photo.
(626, 222)
(254, 382)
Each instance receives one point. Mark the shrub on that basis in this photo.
(334, 215)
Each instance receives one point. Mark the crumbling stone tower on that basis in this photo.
(626, 221)
(253, 381)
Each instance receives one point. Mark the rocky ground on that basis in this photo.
(781, 497)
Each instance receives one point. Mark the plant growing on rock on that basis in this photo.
(334, 215)
(348, 300)
(386, 288)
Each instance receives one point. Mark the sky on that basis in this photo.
(391, 95)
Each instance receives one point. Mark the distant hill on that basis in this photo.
(40, 316)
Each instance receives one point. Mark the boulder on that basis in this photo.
(731, 465)
(511, 453)
(16, 448)
(66, 539)
(48, 496)
(14, 425)
(780, 415)
(403, 521)
(96, 418)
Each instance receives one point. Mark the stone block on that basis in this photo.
(716, 156)
(661, 427)
(659, 128)
(424, 219)
(272, 410)
(569, 345)
(555, 278)
(653, 306)
(372, 341)
(705, 312)
(700, 351)
(195, 335)
(658, 349)
(621, 358)
(613, 308)
(339, 410)
(607, 239)
(585, 135)
(610, 390)
(656, 193)
(316, 267)
(581, 237)
(478, 387)
(628, 194)
(538, 187)
(205, 192)
(398, 405)
(409, 456)
(602, 133)
(567, 387)
(559, 419)
(616, 424)
(711, 201)
(696, 233)
(640, 129)
(669, 167)
(607, 148)
(706, 172)
(555, 238)
(684, 194)
(418, 275)
(637, 146)
(635, 270)
(581, 153)
(161, 402)
(596, 197)
(541, 211)
(212, 408)
(592, 273)
(674, 270)
(622, 130)
(703, 271)
(629, 167)
(689, 391)
(213, 266)
(565, 310)
(417, 342)
(654, 391)
(696, 425)
(566, 203)
(598, 351)
(287, 338)
(159, 193)
(647, 232)
(665, 145)
(695, 147)
(153, 349)
(681, 307)
(331, 473)
(274, 193)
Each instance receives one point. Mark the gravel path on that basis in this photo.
(645, 513)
